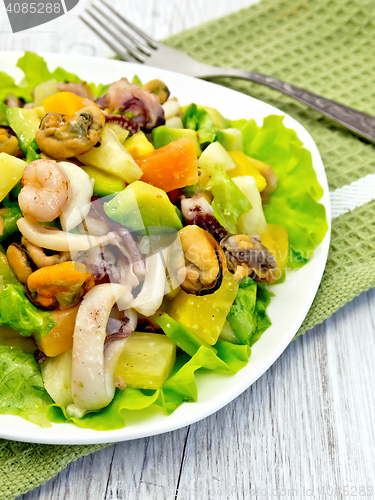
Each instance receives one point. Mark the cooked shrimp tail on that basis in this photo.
(45, 191)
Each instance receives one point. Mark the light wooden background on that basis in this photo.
(303, 430)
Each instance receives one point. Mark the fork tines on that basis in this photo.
(119, 33)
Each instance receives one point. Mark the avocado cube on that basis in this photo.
(105, 183)
(146, 360)
(231, 139)
(11, 170)
(217, 117)
(24, 123)
(138, 145)
(144, 208)
(161, 136)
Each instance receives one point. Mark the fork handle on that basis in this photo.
(360, 123)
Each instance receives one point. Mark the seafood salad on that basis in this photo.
(139, 239)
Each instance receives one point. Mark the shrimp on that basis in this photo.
(45, 191)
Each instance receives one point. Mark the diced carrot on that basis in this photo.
(171, 167)
(65, 103)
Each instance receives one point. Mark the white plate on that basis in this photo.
(286, 311)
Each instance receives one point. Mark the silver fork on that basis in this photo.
(133, 45)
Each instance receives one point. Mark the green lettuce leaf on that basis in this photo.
(10, 218)
(242, 316)
(32, 155)
(263, 321)
(3, 107)
(9, 86)
(111, 417)
(14, 192)
(233, 355)
(248, 316)
(99, 90)
(294, 205)
(61, 75)
(137, 80)
(35, 71)
(201, 121)
(18, 312)
(229, 202)
(181, 387)
(15, 308)
(178, 388)
(22, 391)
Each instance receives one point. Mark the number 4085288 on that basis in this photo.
(33, 8)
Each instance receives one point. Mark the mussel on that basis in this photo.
(8, 141)
(197, 261)
(60, 286)
(19, 262)
(159, 88)
(246, 256)
(64, 136)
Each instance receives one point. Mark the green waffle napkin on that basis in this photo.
(326, 46)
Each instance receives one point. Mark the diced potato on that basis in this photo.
(174, 122)
(253, 221)
(205, 315)
(11, 170)
(44, 90)
(215, 154)
(57, 378)
(121, 133)
(111, 156)
(146, 360)
(138, 145)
